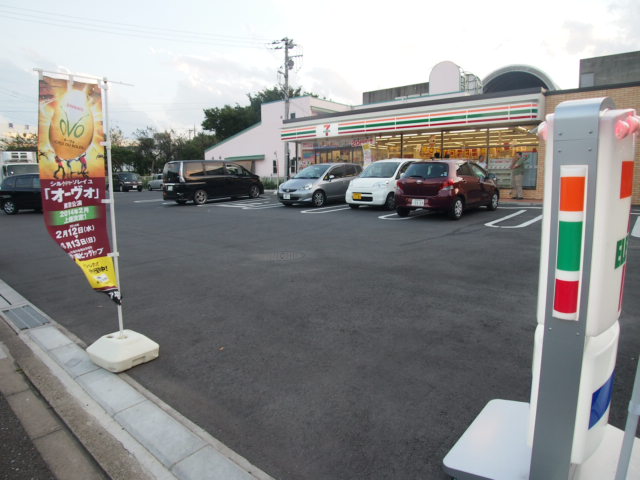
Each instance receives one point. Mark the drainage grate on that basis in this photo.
(25, 317)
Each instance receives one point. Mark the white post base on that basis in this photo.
(117, 354)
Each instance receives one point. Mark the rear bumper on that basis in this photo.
(441, 201)
(176, 192)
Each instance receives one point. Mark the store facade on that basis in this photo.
(464, 126)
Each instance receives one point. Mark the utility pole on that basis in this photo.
(286, 44)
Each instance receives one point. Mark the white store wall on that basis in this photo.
(263, 139)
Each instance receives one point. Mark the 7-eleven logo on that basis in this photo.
(327, 129)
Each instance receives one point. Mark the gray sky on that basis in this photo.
(182, 57)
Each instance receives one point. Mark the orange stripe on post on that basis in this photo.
(572, 194)
(626, 182)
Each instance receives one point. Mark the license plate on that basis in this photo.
(286, 196)
(170, 188)
(357, 196)
(417, 202)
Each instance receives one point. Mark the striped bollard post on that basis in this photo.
(588, 184)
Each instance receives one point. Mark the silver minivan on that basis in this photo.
(318, 184)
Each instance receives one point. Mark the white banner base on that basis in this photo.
(117, 353)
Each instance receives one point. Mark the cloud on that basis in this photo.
(329, 84)
(19, 97)
(619, 32)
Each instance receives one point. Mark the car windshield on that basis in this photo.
(129, 177)
(20, 168)
(314, 171)
(427, 170)
(380, 170)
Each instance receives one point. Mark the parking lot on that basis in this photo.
(319, 343)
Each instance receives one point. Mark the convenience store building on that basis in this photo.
(460, 116)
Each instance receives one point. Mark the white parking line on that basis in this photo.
(522, 225)
(390, 216)
(148, 201)
(325, 209)
(248, 205)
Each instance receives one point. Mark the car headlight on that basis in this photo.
(380, 184)
(308, 186)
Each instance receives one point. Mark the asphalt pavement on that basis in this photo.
(305, 343)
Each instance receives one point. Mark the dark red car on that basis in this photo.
(450, 186)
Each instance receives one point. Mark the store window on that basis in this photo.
(498, 145)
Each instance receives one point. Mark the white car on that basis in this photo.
(377, 183)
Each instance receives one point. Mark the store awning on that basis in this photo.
(433, 116)
(244, 158)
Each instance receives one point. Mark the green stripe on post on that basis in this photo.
(569, 246)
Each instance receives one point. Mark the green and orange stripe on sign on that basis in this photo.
(573, 184)
(419, 120)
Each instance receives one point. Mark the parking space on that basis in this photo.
(506, 217)
(318, 345)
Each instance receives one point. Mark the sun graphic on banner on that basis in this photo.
(70, 130)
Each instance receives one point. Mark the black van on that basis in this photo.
(199, 180)
(125, 181)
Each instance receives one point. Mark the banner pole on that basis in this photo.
(114, 238)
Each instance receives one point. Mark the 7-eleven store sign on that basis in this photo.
(398, 122)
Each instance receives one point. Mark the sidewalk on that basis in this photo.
(88, 423)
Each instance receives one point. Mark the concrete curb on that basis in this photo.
(60, 450)
(127, 430)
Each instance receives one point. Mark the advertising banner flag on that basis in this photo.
(72, 176)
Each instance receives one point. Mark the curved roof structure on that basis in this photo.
(516, 77)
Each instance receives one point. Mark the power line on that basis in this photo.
(123, 29)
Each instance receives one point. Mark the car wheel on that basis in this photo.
(402, 211)
(254, 191)
(122, 188)
(494, 202)
(9, 207)
(319, 199)
(139, 189)
(354, 205)
(200, 197)
(456, 209)
(149, 187)
(390, 202)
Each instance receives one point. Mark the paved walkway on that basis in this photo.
(88, 423)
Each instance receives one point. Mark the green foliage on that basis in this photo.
(152, 149)
(122, 156)
(194, 148)
(26, 142)
(230, 120)
(271, 183)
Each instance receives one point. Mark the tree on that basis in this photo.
(25, 142)
(123, 156)
(228, 121)
(188, 149)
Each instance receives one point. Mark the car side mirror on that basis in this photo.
(330, 177)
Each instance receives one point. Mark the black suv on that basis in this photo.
(199, 180)
(125, 181)
(20, 192)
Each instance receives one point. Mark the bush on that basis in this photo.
(271, 183)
